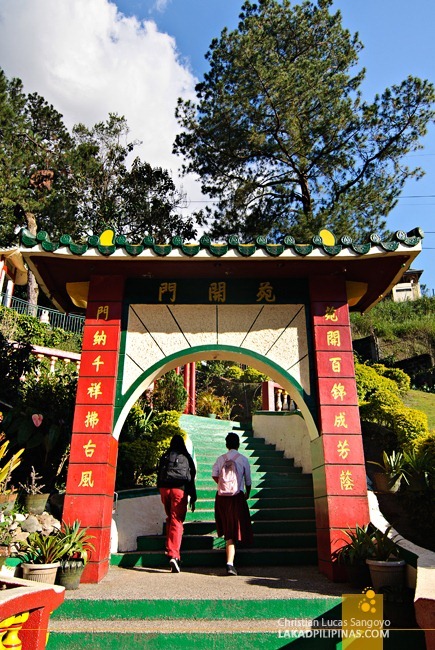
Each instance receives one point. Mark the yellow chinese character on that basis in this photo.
(330, 314)
(333, 338)
(338, 391)
(103, 310)
(265, 292)
(100, 338)
(343, 449)
(94, 390)
(97, 363)
(89, 448)
(346, 480)
(168, 287)
(217, 292)
(335, 364)
(86, 480)
(340, 420)
(91, 419)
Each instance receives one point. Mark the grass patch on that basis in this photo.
(418, 399)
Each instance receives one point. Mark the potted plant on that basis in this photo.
(387, 569)
(40, 556)
(417, 469)
(355, 552)
(77, 548)
(35, 499)
(7, 494)
(208, 404)
(392, 473)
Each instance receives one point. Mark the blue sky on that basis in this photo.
(89, 57)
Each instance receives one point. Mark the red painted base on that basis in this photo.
(95, 571)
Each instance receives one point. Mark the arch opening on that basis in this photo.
(222, 353)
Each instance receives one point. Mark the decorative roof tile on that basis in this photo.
(109, 243)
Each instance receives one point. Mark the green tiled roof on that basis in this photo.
(117, 242)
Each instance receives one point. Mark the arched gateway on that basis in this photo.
(282, 308)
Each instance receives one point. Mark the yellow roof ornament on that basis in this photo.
(107, 238)
(327, 237)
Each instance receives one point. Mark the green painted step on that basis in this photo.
(202, 609)
(267, 492)
(265, 479)
(267, 526)
(263, 502)
(398, 640)
(216, 557)
(194, 542)
(281, 507)
(256, 515)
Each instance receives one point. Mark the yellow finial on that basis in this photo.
(327, 237)
(107, 238)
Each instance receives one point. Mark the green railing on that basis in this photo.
(67, 322)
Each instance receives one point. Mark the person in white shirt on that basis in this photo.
(233, 521)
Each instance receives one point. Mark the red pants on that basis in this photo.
(175, 503)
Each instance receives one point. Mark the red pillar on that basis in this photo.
(192, 396)
(92, 467)
(339, 474)
(268, 396)
(186, 374)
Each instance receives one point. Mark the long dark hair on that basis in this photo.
(177, 444)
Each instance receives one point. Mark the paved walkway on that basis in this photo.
(204, 583)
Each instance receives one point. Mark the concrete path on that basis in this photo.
(205, 583)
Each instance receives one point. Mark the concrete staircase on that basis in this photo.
(281, 505)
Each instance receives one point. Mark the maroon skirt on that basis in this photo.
(233, 520)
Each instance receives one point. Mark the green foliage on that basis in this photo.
(368, 542)
(369, 381)
(77, 542)
(138, 423)
(208, 402)
(78, 183)
(41, 549)
(253, 376)
(381, 407)
(236, 386)
(395, 374)
(280, 136)
(380, 402)
(16, 360)
(7, 526)
(404, 329)
(10, 464)
(383, 547)
(138, 458)
(357, 545)
(419, 468)
(46, 438)
(426, 445)
(234, 373)
(409, 425)
(169, 393)
(71, 542)
(28, 329)
(393, 466)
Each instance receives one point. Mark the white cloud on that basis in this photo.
(87, 59)
(162, 4)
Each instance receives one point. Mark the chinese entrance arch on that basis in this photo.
(282, 308)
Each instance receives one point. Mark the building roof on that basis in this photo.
(376, 265)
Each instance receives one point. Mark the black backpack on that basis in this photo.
(174, 470)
